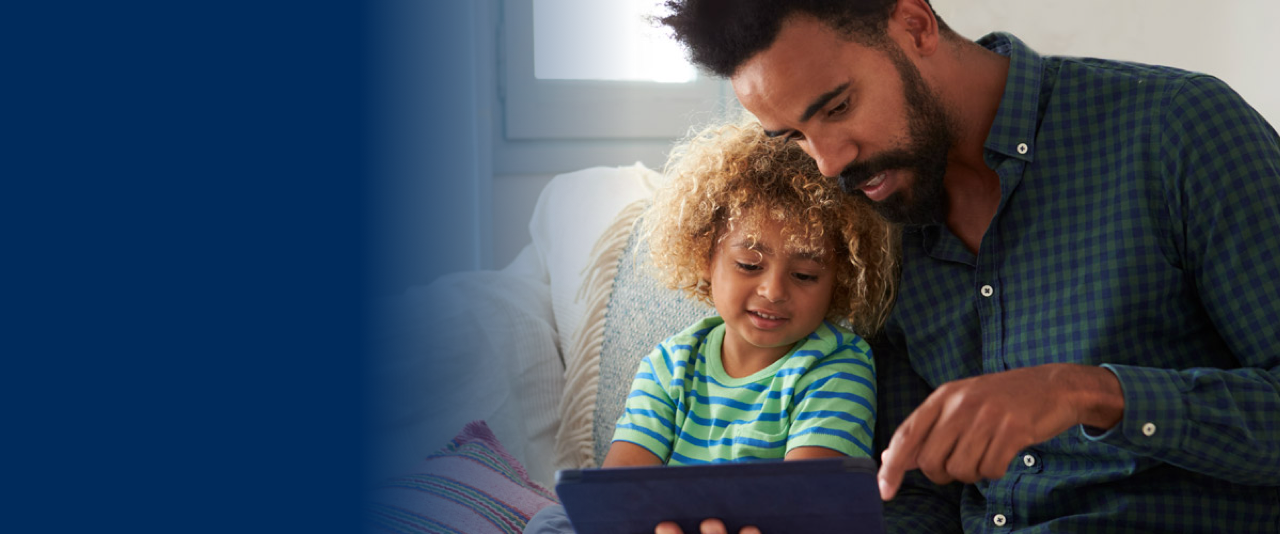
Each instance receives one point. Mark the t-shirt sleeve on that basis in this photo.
(648, 419)
(835, 405)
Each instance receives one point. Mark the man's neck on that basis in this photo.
(972, 86)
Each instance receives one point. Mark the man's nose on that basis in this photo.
(832, 155)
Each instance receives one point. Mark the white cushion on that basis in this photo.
(571, 213)
(470, 346)
(485, 345)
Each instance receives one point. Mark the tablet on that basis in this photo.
(825, 495)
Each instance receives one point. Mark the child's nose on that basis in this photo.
(773, 288)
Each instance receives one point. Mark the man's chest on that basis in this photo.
(1068, 273)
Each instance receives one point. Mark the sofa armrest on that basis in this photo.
(470, 346)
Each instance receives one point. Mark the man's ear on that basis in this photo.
(914, 26)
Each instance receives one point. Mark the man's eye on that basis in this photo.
(841, 108)
(795, 136)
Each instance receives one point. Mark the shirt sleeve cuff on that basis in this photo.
(1154, 416)
(839, 441)
(646, 442)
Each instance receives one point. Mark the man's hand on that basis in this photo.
(970, 429)
(708, 526)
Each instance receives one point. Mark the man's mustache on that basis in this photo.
(858, 172)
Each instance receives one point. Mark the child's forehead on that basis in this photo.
(767, 235)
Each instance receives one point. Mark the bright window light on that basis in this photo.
(605, 40)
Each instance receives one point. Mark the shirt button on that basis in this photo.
(987, 291)
(999, 520)
(1148, 429)
(1029, 460)
(1022, 148)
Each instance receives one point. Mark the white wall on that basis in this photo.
(431, 70)
(1235, 40)
(513, 197)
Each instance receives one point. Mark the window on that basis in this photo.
(595, 40)
(593, 69)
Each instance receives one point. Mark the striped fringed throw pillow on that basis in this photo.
(471, 486)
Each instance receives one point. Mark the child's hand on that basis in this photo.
(708, 526)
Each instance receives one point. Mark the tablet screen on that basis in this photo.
(806, 496)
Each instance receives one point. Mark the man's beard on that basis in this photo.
(923, 200)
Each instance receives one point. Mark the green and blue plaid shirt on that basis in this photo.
(1138, 229)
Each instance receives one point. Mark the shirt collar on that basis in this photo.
(1013, 133)
(1013, 129)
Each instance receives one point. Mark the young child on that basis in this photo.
(748, 225)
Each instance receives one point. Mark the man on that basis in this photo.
(1085, 338)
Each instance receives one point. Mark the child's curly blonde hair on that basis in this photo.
(735, 175)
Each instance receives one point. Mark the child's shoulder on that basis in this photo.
(697, 332)
(833, 351)
(832, 339)
(688, 345)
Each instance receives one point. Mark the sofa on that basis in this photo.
(488, 382)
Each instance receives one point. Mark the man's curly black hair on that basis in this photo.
(721, 35)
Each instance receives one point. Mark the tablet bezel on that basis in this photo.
(776, 496)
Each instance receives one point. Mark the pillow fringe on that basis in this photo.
(575, 447)
(479, 430)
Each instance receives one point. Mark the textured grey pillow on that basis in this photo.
(642, 313)
(628, 313)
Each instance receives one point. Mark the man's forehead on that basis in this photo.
(782, 82)
(786, 98)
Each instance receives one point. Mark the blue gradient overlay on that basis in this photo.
(187, 258)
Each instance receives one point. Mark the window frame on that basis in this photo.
(590, 109)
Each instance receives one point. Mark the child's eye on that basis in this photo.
(805, 277)
(747, 266)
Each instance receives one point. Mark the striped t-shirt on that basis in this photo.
(684, 408)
